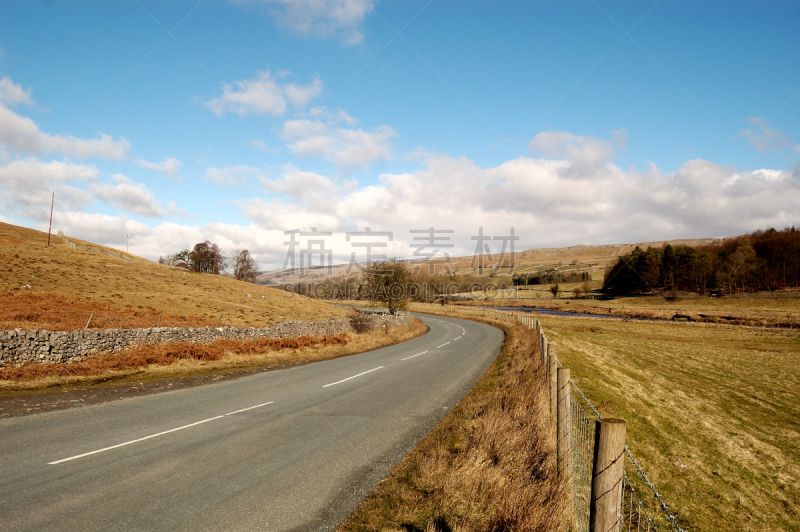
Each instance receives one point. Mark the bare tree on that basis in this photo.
(244, 266)
(387, 282)
(207, 257)
(555, 289)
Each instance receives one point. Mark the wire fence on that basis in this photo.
(642, 507)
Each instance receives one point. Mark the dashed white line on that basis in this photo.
(353, 377)
(412, 356)
(444, 344)
(156, 435)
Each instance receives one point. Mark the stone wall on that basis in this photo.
(47, 347)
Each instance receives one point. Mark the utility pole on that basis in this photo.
(50, 229)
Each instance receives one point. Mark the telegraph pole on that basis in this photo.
(50, 229)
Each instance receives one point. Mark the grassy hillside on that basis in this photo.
(712, 412)
(66, 285)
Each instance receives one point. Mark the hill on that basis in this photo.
(58, 287)
(580, 258)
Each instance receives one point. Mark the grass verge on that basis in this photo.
(713, 413)
(488, 466)
(175, 360)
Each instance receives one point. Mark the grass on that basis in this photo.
(175, 360)
(96, 278)
(712, 411)
(755, 309)
(488, 466)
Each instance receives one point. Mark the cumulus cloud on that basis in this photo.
(26, 186)
(765, 138)
(263, 95)
(327, 137)
(583, 152)
(260, 145)
(13, 94)
(550, 201)
(338, 19)
(21, 135)
(130, 196)
(169, 166)
(231, 176)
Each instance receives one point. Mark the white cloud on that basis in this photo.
(169, 166)
(230, 176)
(260, 145)
(21, 135)
(130, 196)
(766, 138)
(262, 95)
(27, 185)
(338, 19)
(553, 200)
(13, 94)
(343, 146)
(583, 152)
(576, 198)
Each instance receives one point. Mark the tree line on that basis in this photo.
(550, 276)
(763, 260)
(207, 257)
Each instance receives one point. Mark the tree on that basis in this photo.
(387, 283)
(244, 266)
(586, 289)
(207, 257)
(577, 292)
(555, 289)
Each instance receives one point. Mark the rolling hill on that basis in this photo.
(57, 287)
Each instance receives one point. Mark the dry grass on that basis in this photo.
(144, 355)
(712, 411)
(488, 466)
(29, 310)
(175, 360)
(150, 288)
(757, 309)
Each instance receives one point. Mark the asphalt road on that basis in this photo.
(295, 449)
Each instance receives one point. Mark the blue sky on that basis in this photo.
(575, 122)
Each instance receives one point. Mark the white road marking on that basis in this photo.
(156, 435)
(437, 347)
(353, 377)
(412, 356)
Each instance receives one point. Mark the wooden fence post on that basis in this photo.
(552, 368)
(609, 450)
(564, 428)
(89, 321)
(159, 319)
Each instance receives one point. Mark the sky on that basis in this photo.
(301, 129)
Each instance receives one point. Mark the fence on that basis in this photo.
(98, 249)
(610, 491)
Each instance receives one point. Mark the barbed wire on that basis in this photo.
(654, 490)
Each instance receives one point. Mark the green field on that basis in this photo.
(713, 412)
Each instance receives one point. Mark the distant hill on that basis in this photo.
(594, 259)
(142, 286)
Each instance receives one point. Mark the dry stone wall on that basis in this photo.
(47, 347)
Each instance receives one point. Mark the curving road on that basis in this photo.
(295, 449)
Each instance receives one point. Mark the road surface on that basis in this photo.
(294, 449)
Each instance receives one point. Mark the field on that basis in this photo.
(94, 282)
(713, 412)
(763, 308)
